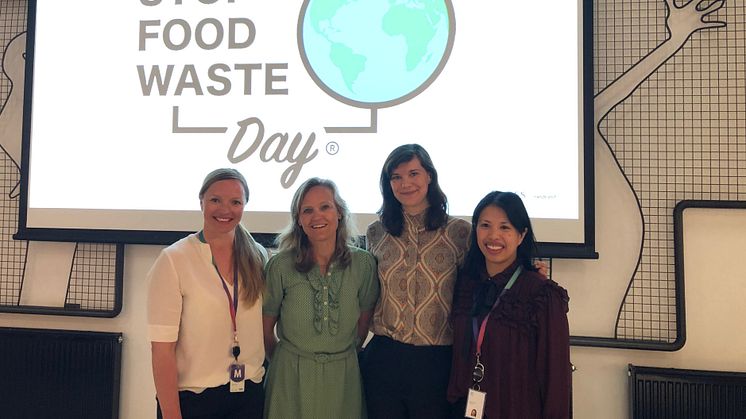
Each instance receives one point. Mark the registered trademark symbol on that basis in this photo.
(332, 148)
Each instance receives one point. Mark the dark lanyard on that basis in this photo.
(232, 303)
(478, 373)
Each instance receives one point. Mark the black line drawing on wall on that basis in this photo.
(11, 110)
(52, 290)
(14, 252)
(662, 121)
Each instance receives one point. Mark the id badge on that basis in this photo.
(237, 375)
(475, 404)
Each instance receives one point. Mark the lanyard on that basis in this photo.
(478, 373)
(232, 303)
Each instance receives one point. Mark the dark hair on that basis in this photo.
(474, 262)
(391, 212)
(293, 238)
(248, 254)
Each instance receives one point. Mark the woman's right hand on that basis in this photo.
(164, 377)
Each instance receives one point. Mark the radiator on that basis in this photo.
(59, 374)
(667, 393)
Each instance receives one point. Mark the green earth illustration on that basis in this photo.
(375, 53)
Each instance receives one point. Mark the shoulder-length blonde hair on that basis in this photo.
(294, 239)
(248, 254)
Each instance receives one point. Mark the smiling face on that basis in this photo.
(498, 239)
(409, 182)
(222, 207)
(318, 215)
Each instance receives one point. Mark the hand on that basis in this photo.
(270, 339)
(683, 21)
(542, 267)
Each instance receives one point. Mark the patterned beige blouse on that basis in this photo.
(417, 272)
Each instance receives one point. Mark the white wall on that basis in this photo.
(715, 289)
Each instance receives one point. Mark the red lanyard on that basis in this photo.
(232, 303)
(478, 373)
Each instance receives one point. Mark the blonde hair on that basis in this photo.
(294, 239)
(249, 255)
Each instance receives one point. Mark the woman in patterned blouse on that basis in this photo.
(418, 247)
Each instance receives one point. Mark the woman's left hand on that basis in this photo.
(542, 267)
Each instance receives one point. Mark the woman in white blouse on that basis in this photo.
(204, 312)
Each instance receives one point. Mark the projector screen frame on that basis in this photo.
(584, 250)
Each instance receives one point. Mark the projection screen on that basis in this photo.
(129, 104)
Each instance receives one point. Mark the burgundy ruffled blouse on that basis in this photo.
(526, 348)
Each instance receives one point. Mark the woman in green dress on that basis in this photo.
(320, 294)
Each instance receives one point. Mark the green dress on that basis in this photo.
(314, 373)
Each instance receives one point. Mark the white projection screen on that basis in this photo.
(129, 104)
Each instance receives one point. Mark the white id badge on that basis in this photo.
(475, 404)
(237, 372)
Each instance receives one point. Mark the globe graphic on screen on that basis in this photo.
(375, 53)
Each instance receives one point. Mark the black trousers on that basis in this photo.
(220, 403)
(405, 381)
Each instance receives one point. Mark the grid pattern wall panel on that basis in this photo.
(624, 32)
(93, 278)
(681, 135)
(12, 252)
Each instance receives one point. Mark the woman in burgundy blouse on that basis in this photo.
(511, 337)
